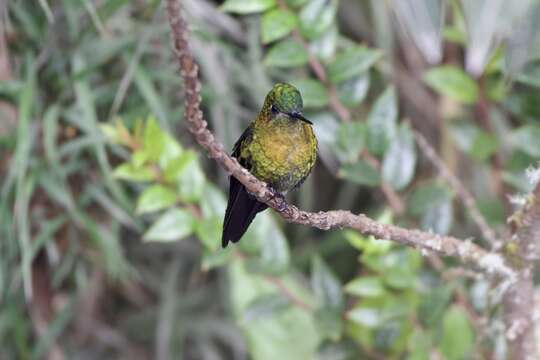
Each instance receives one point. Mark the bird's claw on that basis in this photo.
(279, 198)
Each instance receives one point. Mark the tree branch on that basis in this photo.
(468, 200)
(519, 298)
(444, 245)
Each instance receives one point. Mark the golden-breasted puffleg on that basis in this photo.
(279, 148)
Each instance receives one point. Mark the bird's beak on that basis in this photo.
(299, 116)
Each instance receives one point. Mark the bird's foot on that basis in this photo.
(279, 198)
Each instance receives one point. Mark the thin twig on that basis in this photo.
(468, 200)
(445, 245)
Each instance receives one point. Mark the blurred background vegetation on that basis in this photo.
(110, 217)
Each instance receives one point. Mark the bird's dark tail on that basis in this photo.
(241, 210)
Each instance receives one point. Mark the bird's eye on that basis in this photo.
(273, 109)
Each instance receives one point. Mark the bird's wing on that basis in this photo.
(241, 207)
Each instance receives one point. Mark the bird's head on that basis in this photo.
(284, 100)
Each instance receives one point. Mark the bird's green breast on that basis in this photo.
(281, 152)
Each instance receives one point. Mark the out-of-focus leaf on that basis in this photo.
(350, 141)
(458, 336)
(438, 218)
(427, 195)
(325, 126)
(265, 238)
(527, 139)
(325, 46)
(453, 82)
(329, 323)
(175, 224)
(191, 184)
(155, 198)
(286, 53)
(214, 259)
(277, 23)
(419, 345)
(247, 6)
(289, 334)
(423, 22)
(208, 230)
(382, 122)
(265, 306)
(314, 93)
(463, 134)
(341, 350)
(484, 146)
(400, 278)
(127, 171)
(296, 3)
(368, 317)
(366, 286)
(186, 173)
(154, 140)
(400, 159)
(325, 285)
(353, 62)
(432, 306)
(317, 16)
(353, 91)
(360, 173)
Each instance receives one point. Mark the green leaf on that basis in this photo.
(368, 317)
(329, 323)
(382, 122)
(185, 171)
(366, 286)
(350, 142)
(353, 91)
(360, 173)
(316, 17)
(484, 146)
(324, 47)
(208, 230)
(296, 3)
(265, 237)
(153, 140)
(400, 278)
(458, 336)
(286, 53)
(433, 305)
(175, 224)
(325, 285)
(265, 306)
(127, 171)
(155, 198)
(400, 159)
(247, 6)
(313, 92)
(277, 23)
(527, 139)
(453, 82)
(289, 334)
(351, 63)
(438, 218)
(427, 195)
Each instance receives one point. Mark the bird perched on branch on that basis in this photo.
(279, 148)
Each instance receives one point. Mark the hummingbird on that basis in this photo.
(279, 148)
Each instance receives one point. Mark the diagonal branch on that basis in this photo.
(444, 245)
(468, 200)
